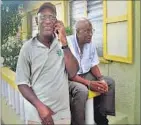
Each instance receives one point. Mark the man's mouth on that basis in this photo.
(47, 28)
(89, 39)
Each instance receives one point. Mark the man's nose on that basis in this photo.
(47, 20)
(91, 33)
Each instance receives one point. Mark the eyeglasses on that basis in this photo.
(89, 31)
(49, 17)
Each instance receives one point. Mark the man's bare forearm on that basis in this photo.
(28, 94)
(80, 79)
(96, 72)
(71, 63)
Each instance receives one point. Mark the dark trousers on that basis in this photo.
(103, 105)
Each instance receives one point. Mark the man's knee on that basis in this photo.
(83, 92)
(78, 89)
(110, 81)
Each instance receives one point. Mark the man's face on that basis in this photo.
(46, 21)
(85, 32)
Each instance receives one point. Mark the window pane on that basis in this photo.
(77, 11)
(98, 36)
(117, 39)
(116, 8)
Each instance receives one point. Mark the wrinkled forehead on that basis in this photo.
(84, 25)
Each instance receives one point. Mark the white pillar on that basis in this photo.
(6, 91)
(17, 102)
(13, 97)
(22, 115)
(1, 58)
(89, 112)
(2, 86)
(9, 95)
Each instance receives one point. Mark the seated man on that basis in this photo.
(89, 76)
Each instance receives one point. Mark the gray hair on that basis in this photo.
(81, 20)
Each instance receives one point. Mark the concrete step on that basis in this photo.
(120, 118)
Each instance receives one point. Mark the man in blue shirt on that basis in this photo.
(89, 76)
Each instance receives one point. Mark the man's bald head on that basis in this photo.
(84, 31)
(80, 24)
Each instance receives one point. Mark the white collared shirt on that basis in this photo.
(88, 58)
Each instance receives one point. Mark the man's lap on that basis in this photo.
(81, 87)
(77, 86)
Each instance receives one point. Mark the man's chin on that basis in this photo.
(48, 34)
(88, 41)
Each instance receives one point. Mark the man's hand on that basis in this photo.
(98, 86)
(45, 114)
(60, 30)
(104, 83)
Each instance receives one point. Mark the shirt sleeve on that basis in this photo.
(95, 58)
(23, 69)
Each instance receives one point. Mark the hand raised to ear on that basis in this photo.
(59, 27)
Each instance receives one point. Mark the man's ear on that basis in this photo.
(77, 31)
(36, 19)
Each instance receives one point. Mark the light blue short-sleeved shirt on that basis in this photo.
(43, 69)
(88, 58)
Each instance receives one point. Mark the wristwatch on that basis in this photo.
(65, 47)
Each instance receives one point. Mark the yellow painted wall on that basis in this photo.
(137, 59)
(127, 76)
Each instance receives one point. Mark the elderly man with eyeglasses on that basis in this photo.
(89, 76)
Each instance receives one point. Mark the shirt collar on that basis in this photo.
(77, 46)
(39, 44)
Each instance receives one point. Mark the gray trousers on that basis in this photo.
(104, 104)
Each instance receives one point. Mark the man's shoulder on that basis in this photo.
(27, 44)
(70, 38)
